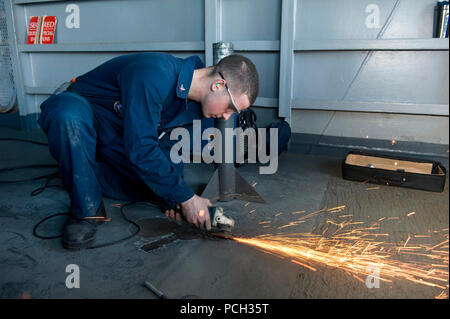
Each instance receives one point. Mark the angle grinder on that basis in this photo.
(222, 224)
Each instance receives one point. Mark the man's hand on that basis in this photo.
(173, 214)
(195, 210)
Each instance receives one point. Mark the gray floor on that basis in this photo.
(30, 267)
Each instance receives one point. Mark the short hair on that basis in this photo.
(240, 73)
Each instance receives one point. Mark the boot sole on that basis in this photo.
(78, 245)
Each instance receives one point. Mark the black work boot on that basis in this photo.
(80, 233)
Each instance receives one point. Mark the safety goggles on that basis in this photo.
(229, 93)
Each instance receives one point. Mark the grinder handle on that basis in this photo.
(211, 211)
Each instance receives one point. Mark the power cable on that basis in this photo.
(55, 175)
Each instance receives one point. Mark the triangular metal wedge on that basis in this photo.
(243, 190)
(211, 190)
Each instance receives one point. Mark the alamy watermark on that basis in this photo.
(73, 279)
(373, 280)
(219, 149)
(373, 17)
(73, 19)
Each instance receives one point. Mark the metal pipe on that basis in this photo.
(226, 184)
(153, 289)
(227, 176)
(221, 50)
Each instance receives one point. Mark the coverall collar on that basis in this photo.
(186, 73)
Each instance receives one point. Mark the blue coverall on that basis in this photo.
(103, 130)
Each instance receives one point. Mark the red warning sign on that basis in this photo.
(34, 30)
(48, 30)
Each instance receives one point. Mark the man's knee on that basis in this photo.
(64, 110)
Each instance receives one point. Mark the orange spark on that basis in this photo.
(442, 295)
(354, 250)
(304, 265)
(409, 237)
(359, 278)
(446, 241)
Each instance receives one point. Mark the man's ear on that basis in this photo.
(217, 84)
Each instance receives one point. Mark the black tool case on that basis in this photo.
(394, 171)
